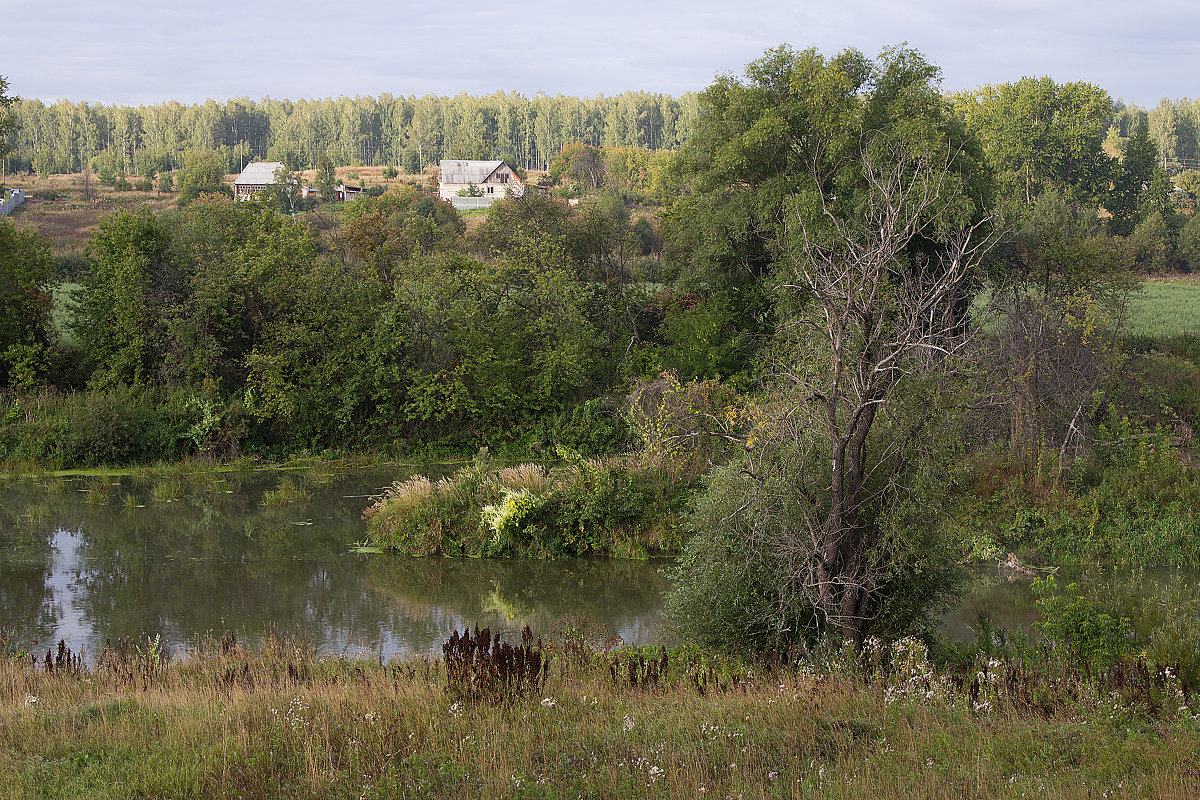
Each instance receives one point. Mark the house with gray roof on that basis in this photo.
(255, 178)
(493, 179)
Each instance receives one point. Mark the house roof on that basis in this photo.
(258, 173)
(467, 171)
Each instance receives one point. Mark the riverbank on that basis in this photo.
(277, 722)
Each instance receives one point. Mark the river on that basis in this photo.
(218, 559)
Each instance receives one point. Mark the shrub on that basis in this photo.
(119, 426)
(612, 507)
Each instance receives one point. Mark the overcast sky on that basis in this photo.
(147, 51)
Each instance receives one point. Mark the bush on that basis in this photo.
(118, 427)
(583, 507)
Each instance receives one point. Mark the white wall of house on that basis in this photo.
(496, 186)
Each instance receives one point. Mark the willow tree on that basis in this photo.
(821, 525)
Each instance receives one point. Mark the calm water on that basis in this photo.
(220, 560)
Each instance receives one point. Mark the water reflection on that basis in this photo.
(219, 560)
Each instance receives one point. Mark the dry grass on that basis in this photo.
(533, 478)
(69, 219)
(277, 722)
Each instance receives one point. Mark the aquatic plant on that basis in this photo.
(168, 489)
(288, 491)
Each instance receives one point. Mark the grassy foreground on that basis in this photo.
(277, 722)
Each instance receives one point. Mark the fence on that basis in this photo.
(12, 201)
(464, 203)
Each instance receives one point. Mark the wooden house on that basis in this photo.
(255, 178)
(493, 179)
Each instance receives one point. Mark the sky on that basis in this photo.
(148, 51)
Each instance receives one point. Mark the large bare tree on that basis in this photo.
(882, 294)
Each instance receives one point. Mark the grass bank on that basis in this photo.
(618, 506)
(276, 722)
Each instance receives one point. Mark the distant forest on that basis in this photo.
(409, 132)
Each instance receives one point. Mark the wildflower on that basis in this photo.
(548, 702)
(30, 699)
(628, 724)
(655, 772)
(456, 710)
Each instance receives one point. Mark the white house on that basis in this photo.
(493, 178)
(255, 178)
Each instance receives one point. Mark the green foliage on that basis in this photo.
(701, 337)
(120, 426)
(740, 582)
(1092, 636)
(586, 507)
(1039, 135)
(1189, 242)
(8, 120)
(1152, 244)
(326, 178)
(203, 173)
(25, 271)
(122, 298)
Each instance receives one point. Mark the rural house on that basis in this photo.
(259, 175)
(255, 178)
(493, 178)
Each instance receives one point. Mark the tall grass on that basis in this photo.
(276, 722)
(1164, 308)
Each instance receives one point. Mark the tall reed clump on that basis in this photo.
(168, 489)
(613, 506)
(288, 491)
(418, 516)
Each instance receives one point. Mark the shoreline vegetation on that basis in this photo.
(573, 716)
(617, 506)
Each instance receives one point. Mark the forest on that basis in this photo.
(408, 132)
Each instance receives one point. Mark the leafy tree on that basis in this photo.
(203, 173)
(8, 122)
(285, 194)
(1039, 135)
(1136, 173)
(1152, 243)
(1189, 242)
(326, 179)
(873, 206)
(123, 296)
(25, 268)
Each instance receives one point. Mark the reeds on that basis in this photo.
(288, 492)
(98, 493)
(532, 478)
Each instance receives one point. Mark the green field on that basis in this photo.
(1165, 308)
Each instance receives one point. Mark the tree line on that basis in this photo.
(411, 132)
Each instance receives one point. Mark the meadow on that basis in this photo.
(1165, 307)
(276, 722)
